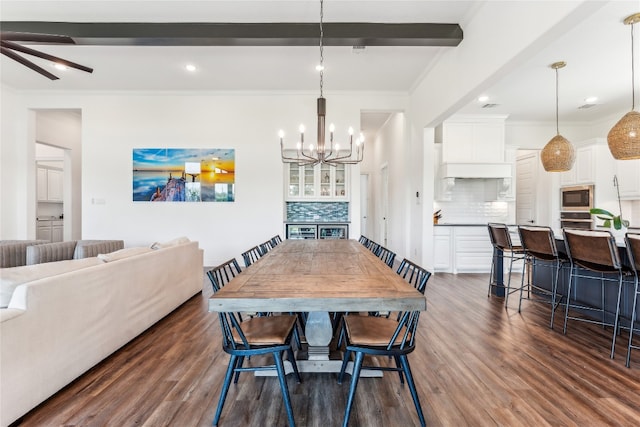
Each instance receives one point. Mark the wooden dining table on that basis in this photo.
(318, 277)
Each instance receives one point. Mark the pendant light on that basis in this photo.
(558, 155)
(624, 137)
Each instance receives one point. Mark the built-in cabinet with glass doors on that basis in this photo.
(322, 181)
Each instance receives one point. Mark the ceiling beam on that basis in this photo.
(245, 34)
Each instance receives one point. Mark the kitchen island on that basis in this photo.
(588, 291)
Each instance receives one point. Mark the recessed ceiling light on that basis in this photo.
(190, 67)
(483, 98)
(591, 99)
(60, 66)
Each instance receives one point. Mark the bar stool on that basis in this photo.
(502, 248)
(632, 241)
(539, 245)
(594, 251)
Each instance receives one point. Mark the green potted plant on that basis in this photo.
(607, 216)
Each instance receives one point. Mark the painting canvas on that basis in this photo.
(183, 175)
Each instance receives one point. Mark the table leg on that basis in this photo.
(319, 332)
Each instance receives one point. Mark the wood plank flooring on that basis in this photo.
(476, 364)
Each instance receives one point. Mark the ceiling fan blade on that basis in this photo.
(35, 37)
(29, 51)
(6, 51)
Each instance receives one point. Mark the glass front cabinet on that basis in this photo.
(316, 182)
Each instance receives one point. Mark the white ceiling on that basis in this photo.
(597, 53)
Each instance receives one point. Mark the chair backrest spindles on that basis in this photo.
(222, 274)
(414, 275)
(252, 255)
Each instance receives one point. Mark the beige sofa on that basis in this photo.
(70, 315)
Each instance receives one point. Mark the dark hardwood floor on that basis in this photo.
(476, 364)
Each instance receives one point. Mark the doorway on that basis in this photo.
(384, 177)
(526, 178)
(364, 203)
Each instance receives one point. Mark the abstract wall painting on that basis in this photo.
(183, 175)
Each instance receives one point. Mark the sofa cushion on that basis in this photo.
(13, 252)
(168, 244)
(50, 252)
(13, 277)
(123, 253)
(91, 248)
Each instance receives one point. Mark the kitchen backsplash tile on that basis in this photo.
(318, 211)
(468, 206)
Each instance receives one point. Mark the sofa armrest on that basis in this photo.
(50, 252)
(7, 314)
(91, 248)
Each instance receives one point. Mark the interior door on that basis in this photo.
(364, 203)
(526, 175)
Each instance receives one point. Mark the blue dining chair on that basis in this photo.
(380, 336)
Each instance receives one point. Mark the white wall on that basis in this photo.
(394, 148)
(114, 124)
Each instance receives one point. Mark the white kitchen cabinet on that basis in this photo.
(43, 230)
(584, 168)
(462, 249)
(49, 185)
(473, 139)
(57, 231)
(442, 249)
(628, 173)
(51, 230)
(320, 182)
(473, 250)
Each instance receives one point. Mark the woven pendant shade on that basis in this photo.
(624, 137)
(558, 155)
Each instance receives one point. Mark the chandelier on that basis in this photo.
(332, 154)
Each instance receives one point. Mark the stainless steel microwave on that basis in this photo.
(578, 198)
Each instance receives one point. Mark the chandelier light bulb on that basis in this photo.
(281, 133)
(319, 67)
(350, 130)
(299, 146)
(310, 147)
(361, 137)
(332, 128)
(301, 128)
(337, 146)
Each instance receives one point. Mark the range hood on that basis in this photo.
(475, 170)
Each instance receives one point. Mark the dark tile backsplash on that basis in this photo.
(318, 211)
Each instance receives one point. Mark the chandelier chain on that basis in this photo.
(633, 91)
(557, 116)
(321, 48)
